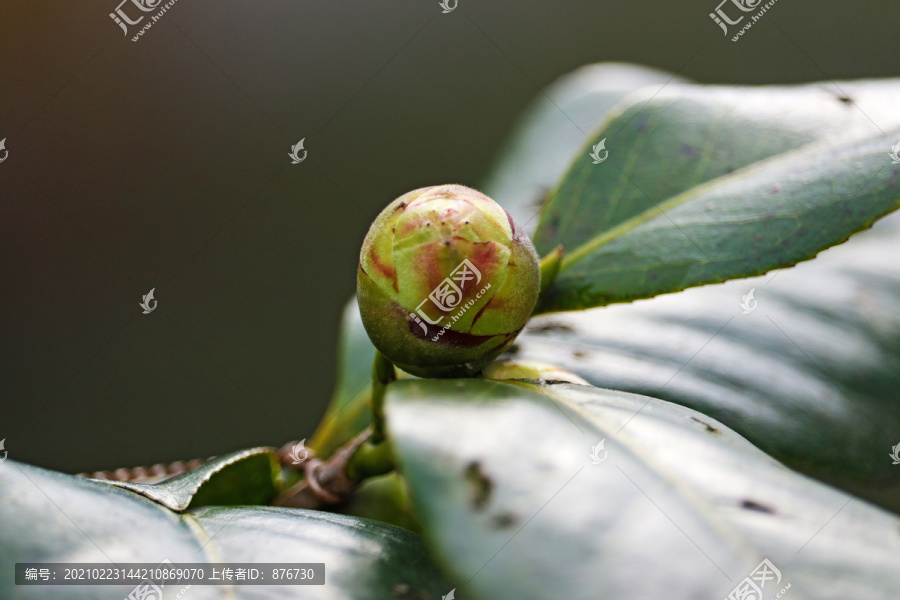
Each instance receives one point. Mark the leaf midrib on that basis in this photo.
(626, 226)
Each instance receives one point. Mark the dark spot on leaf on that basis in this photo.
(551, 327)
(513, 349)
(408, 592)
(753, 505)
(553, 381)
(541, 197)
(709, 427)
(504, 520)
(578, 354)
(845, 99)
(479, 484)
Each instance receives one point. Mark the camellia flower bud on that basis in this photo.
(446, 281)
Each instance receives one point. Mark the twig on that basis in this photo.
(326, 483)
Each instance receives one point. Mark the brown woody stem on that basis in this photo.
(332, 481)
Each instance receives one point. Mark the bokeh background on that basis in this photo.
(164, 164)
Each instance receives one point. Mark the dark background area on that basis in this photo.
(164, 164)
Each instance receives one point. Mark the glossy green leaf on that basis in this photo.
(348, 411)
(383, 498)
(246, 477)
(703, 184)
(811, 374)
(677, 506)
(51, 517)
(553, 128)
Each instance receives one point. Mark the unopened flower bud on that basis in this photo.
(446, 281)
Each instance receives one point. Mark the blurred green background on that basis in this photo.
(164, 164)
